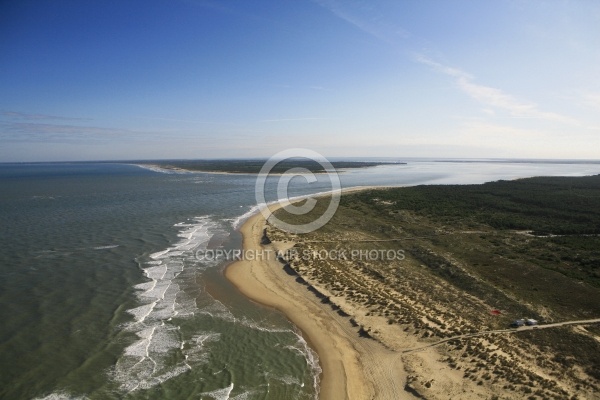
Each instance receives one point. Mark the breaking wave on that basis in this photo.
(149, 360)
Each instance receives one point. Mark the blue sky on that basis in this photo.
(91, 80)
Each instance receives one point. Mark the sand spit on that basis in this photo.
(362, 355)
(353, 367)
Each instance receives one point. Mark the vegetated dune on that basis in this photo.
(464, 256)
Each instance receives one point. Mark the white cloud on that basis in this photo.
(16, 115)
(366, 18)
(592, 99)
(41, 132)
(481, 130)
(294, 119)
(493, 97)
(189, 121)
(523, 142)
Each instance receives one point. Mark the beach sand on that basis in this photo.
(389, 360)
(352, 367)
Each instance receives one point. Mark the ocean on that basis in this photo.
(102, 295)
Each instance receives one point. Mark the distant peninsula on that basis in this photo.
(254, 166)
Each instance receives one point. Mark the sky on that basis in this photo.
(122, 80)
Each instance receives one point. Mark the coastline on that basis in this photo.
(352, 367)
(176, 170)
(167, 169)
(395, 315)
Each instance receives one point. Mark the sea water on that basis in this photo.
(102, 295)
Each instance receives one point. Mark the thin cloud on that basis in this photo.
(592, 99)
(493, 97)
(38, 117)
(293, 119)
(364, 17)
(40, 132)
(188, 121)
(31, 132)
(312, 87)
(485, 131)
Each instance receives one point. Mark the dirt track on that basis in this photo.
(510, 330)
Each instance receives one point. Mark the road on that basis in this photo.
(510, 330)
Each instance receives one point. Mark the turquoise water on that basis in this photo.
(102, 297)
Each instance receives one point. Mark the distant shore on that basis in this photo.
(170, 170)
(253, 167)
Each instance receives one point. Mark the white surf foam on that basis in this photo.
(218, 310)
(195, 349)
(257, 325)
(312, 360)
(238, 221)
(161, 351)
(149, 360)
(289, 380)
(220, 394)
(157, 168)
(61, 396)
(158, 254)
(245, 395)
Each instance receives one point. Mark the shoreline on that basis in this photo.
(351, 366)
(400, 313)
(177, 170)
(265, 282)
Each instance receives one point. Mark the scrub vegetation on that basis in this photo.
(254, 166)
(477, 257)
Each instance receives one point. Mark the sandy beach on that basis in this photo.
(352, 367)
